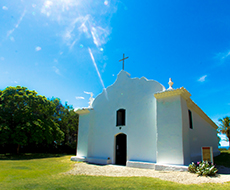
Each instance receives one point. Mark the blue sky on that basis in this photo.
(65, 48)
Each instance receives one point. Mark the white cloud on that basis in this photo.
(38, 48)
(12, 39)
(224, 143)
(83, 21)
(222, 57)
(99, 35)
(95, 38)
(224, 140)
(79, 21)
(46, 8)
(106, 2)
(79, 98)
(56, 70)
(90, 22)
(5, 8)
(104, 65)
(225, 55)
(103, 69)
(87, 92)
(203, 78)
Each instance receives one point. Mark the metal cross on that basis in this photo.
(123, 60)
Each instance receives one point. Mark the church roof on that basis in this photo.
(167, 93)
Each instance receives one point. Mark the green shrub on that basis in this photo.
(203, 168)
(192, 167)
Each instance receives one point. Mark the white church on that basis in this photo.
(139, 123)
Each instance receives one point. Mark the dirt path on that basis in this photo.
(118, 171)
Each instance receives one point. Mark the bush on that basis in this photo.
(203, 168)
(192, 167)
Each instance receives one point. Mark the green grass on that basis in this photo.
(47, 173)
(21, 174)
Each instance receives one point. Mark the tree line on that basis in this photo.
(33, 123)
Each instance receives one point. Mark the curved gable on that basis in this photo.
(124, 86)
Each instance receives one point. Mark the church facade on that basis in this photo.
(138, 123)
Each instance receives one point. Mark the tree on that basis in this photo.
(26, 117)
(67, 119)
(224, 127)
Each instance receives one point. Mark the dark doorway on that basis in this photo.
(121, 144)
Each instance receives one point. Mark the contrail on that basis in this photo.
(98, 73)
(18, 23)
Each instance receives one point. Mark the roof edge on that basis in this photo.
(190, 104)
(193, 106)
(168, 93)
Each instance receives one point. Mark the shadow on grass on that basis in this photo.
(223, 170)
(223, 159)
(28, 156)
(222, 162)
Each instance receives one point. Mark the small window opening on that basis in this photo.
(190, 119)
(121, 117)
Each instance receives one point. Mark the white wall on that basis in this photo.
(136, 96)
(83, 131)
(202, 134)
(185, 132)
(157, 130)
(169, 130)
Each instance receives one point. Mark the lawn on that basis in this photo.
(223, 158)
(47, 173)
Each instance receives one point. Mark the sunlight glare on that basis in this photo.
(106, 2)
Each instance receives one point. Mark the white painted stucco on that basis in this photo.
(156, 125)
(82, 145)
(169, 130)
(136, 97)
(202, 134)
(185, 132)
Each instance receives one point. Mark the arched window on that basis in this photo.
(120, 117)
